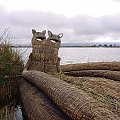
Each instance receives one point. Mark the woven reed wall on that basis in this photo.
(45, 56)
(37, 106)
(92, 66)
(74, 102)
(8, 90)
(45, 50)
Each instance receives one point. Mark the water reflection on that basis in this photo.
(18, 113)
(11, 111)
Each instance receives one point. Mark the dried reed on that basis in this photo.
(74, 102)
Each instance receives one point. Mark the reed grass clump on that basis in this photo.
(11, 63)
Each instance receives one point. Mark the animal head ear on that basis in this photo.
(50, 33)
(33, 31)
(43, 32)
(60, 35)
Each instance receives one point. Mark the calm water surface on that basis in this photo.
(70, 55)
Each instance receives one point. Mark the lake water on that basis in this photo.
(70, 55)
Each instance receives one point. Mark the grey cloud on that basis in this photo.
(21, 22)
(95, 27)
(34, 18)
(112, 23)
(74, 28)
(88, 25)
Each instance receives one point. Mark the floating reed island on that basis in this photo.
(50, 91)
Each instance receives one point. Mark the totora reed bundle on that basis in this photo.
(72, 101)
(113, 75)
(114, 66)
(37, 105)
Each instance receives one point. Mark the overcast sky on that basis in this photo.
(78, 20)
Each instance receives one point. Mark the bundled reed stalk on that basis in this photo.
(91, 66)
(74, 102)
(114, 75)
(37, 106)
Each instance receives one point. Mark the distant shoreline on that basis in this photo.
(71, 46)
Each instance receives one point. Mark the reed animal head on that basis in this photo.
(54, 37)
(39, 35)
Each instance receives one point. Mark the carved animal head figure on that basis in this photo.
(38, 35)
(54, 37)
